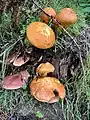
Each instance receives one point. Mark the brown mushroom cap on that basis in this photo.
(15, 81)
(40, 35)
(66, 17)
(19, 61)
(49, 11)
(45, 68)
(43, 89)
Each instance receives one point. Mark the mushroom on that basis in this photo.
(25, 75)
(66, 17)
(11, 57)
(40, 35)
(15, 81)
(19, 61)
(45, 68)
(47, 89)
(50, 11)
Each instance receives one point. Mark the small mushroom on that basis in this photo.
(40, 35)
(45, 68)
(12, 82)
(66, 17)
(47, 89)
(25, 75)
(15, 81)
(19, 61)
(49, 11)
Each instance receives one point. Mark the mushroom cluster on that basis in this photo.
(44, 88)
(41, 35)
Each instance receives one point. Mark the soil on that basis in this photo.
(66, 63)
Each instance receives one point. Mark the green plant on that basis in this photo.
(39, 114)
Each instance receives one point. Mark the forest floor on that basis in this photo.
(72, 66)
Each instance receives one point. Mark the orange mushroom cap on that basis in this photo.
(43, 89)
(49, 11)
(66, 17)
(40, 35)
(45, 68)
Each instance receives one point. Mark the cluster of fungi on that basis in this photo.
(41, 35)
(42, 87)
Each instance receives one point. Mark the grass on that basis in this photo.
(77, 100)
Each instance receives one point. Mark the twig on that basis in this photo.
(41, 9)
